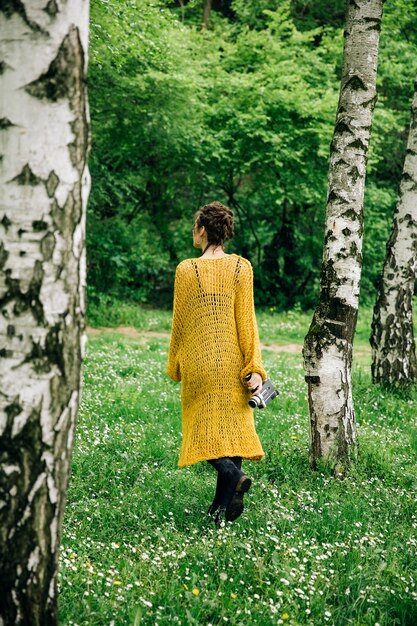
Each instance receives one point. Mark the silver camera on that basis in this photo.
(261, 398)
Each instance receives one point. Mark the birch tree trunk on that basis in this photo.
(392, 339)
(328, 344)
(44, 188)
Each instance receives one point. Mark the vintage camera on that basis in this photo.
(261, 398)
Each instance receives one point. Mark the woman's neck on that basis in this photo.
(213, 251)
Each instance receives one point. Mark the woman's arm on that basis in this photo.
(173, 366)
(247, 328)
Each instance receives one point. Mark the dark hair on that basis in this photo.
(218, 220)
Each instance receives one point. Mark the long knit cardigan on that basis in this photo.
(214, 344)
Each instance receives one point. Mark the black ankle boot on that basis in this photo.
(235, 507)
(227, 505)
(213, 507)
(217, 497)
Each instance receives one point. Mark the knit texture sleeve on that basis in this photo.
(246, 323)
(173, 366)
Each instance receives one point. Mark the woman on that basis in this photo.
(214, 347)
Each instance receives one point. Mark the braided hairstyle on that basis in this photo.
(218, 220)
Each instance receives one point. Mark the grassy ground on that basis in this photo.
(138, 549)
(274, 326)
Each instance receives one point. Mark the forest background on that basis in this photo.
(242, 112)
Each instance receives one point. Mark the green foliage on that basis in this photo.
(244, 113)
(136, 541)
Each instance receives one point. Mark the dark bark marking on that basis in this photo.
(406, 177)
(314, 380)
(66, 218)
(4, 353)
(315, 446)
(409, 219)
(13, 409)
(355, 83)
(341, 162)
(58, 215)
(353, 252)
(42, 358)
(371, 102)
(354, 173)
(38, 359)
(3, 255)
(48, 246)
(80, 143)
(51, 184)
(351, 215)
(346, 315)
(8, 7)
(346, 232)
(39, 225)
(367, 129)
(372, 24)
(29, 589)
(335, 197)
(2, 67)
(54, 348)
(11, 330)
(28, 300)
(5, 222)
(26, 177)
(5, 123)
(330, 236)
(341, 128)
(51, 8)
(358, 143)
(60, 80)
(79, 148)
(317, 337)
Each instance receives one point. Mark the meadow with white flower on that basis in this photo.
(137, 547)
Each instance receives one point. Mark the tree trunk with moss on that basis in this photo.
(392, 339)
(45, 184)
(206, 13)
(328, 344)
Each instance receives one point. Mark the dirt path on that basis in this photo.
(128, 331)
(145, 335)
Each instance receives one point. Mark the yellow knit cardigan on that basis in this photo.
(214, 344)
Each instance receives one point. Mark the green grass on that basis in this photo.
(274, 326)
(109, 312)
(308, 549)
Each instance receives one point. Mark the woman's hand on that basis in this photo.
(254, 383)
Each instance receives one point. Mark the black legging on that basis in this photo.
(228, 473)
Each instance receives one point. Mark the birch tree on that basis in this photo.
(328, 344)
(44, 189)
(392, 339)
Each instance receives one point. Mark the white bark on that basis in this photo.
(44, 188)
(328, 344)
(392, 340)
